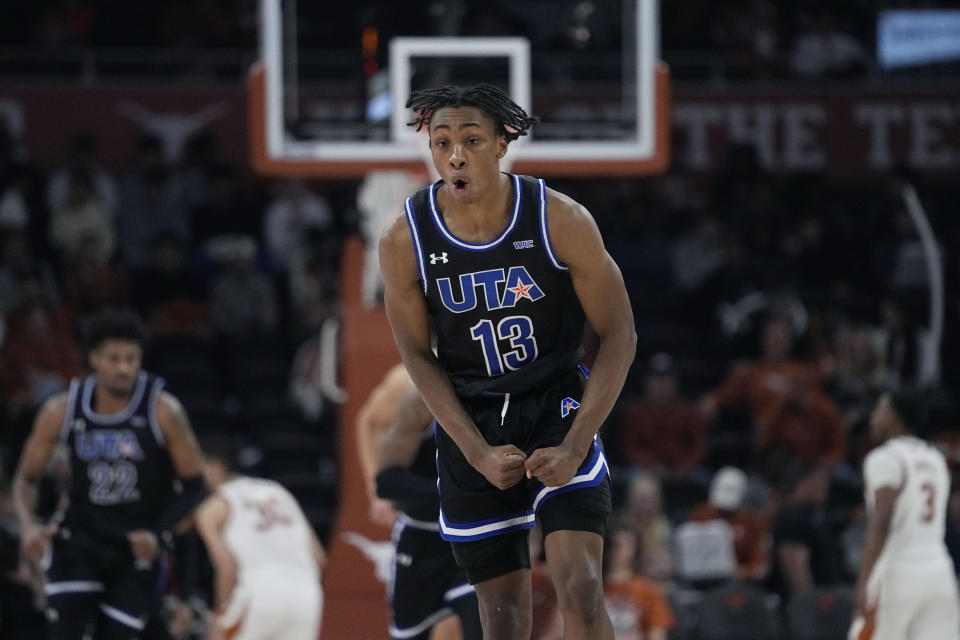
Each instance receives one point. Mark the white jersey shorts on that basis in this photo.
(913, 603)
(277, 606)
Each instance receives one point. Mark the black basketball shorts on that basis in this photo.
(95, 581)
(426, 579)
(475, 515)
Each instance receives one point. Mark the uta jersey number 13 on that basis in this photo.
(517, 334)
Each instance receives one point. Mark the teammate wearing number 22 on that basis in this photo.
(503, 272)
(129, 441)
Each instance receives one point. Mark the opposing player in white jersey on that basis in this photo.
(907, 589)
(266, 558)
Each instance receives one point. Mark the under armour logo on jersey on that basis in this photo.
(434, 258)
(79, 425)
(523, 244)
(567, 405)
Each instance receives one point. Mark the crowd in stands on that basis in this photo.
(772, 310)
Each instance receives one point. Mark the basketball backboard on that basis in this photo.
(327, 95)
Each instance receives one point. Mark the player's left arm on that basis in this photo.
(185, 453)
(878, 528)
(599, 286)
(187, 459)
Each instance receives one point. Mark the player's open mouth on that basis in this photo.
(460, 186)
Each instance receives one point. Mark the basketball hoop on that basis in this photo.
(642, 147)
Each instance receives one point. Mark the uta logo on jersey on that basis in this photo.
(434, 258)
(519, 284)
(106, 444)
(567, 405)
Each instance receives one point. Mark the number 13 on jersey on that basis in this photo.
(517, 332)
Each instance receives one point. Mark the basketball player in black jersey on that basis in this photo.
(129, 441)
(504, 272)
(427, 586)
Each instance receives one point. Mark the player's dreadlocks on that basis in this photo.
(509, 118)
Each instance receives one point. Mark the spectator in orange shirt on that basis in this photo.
(638, 609)
(805, 427)
(662, 431)
(785, 399)
(751, 534)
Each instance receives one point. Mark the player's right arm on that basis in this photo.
(883, 476)
(406, 309)
(210, 517)
(33, 463)
(398, 449)
(401, 438)
(878, 528)
(372, 419)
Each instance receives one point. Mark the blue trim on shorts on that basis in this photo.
(529, 516)
(528, 523)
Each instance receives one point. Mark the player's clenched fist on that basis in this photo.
(34, 540)
(553, 466)
(502, 466)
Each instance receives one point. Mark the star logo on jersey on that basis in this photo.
(138, 421)
(128, 449)
(522, 290)
(567, 405)
(434, 258)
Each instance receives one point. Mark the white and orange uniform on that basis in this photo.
(912, 590)
(278, 593)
